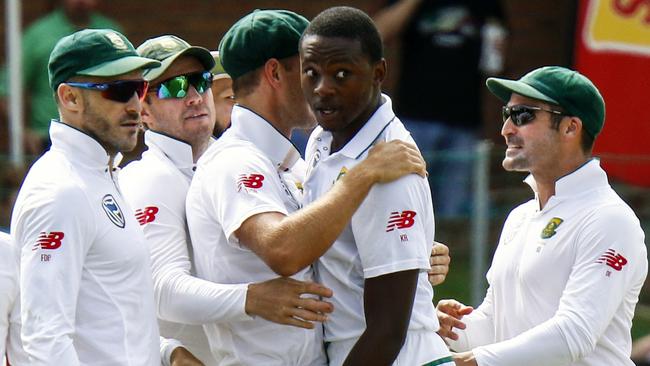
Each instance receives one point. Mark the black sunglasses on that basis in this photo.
(178, 86)
(120, 91)
(523, 114)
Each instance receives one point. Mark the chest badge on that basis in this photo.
(113, 211)
(342, 173)
(550, 228)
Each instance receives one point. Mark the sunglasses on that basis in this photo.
(120, 91)
(522, 114)
(178, 86)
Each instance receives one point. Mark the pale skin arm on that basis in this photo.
(450, 313)
(278, 300)
(464, 359)
(439, 261)
(391, 20)
(290, 243)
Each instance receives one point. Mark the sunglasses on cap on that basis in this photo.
(522, 114)
(119, 91)
(178, 86)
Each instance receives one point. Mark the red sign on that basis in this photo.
(613, 50)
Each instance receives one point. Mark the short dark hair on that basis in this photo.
(586, 140)
(350, 23)
(246, 84)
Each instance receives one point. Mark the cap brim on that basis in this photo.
(201, 54)
(120, 66)
(503, 88)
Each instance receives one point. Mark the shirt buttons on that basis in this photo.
(319, 139)
(324, 148)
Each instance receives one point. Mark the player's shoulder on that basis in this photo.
(231, 154)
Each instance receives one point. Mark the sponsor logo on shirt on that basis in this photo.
(146, 215)
(613, 259)
(49, 241)
(253, 181)
(550, 228)
(113, 211)
(403, 220)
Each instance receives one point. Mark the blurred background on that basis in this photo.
(607, 40)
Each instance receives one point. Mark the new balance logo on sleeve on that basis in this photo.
(403, 220)
(49, 241)
(253, 181)
(146, 215)
(613, 259)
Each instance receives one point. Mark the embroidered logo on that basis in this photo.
(113, 211)
(613, 259)
(253, 181)
(342, 173)
(299, 186)
(146, 215)
(550, 228)
(403, 220)
(49, 241)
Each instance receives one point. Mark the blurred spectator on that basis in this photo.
(224, 97)
(438, 96)
(37, 43)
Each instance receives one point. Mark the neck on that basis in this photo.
(267, 108)
(342, 137)
(546, 182)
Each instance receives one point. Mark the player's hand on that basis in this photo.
(182, 357)
(279, 300)
(450, 312)
(464, 359)
(388, 161)
(439, 261)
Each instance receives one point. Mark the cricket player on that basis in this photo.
(570, 263)
(85, 275)
(244, 203)
(179, 113)
(378, 265)
(10, 345)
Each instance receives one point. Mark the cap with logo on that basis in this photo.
(218, 71)
(167, 49)
(258, 37)
(561, 86)
(94, 52)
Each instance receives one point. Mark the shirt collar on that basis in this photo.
(178, 151)
(368, 134)
(587, 177)
(250, 126)
(80, 147)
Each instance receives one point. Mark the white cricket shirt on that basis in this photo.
(85, 278)
(392, 231)
(155, 187)
(251, 169)
(9, 299)
(564, 280)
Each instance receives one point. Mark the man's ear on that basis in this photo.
(271, 72)
(69, 98)
(379, 71)
(574, 127)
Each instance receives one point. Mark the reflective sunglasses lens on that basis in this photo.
(519, 115)
(201, 81)
(122, 91)
(173, 88)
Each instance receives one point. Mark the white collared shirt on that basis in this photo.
(155, 187)
(564, 280)
(85, 279)
(391, 231)
(251, 169)
(9, 303)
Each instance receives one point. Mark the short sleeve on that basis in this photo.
(394, 227)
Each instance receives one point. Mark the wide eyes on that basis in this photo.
(341, 74)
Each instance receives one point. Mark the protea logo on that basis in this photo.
(113, 210)
(550, 228)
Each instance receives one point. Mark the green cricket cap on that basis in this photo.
(258, 37)
(167, 49)
(94, 52)
(218, 71)
(561, 86)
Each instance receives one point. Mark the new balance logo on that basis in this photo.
(48, 241)
(253, 181)
(146, 215)
(613, 259)
(402, 220)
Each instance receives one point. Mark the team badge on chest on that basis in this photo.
(113, 211)
(550, 228)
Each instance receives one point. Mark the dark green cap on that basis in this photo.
(258, 37)
(167, 49)
(561, 86)
(94, 52)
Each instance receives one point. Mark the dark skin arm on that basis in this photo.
(387, 301)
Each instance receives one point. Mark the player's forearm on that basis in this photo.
(183, 298)
(392, 19)
(374, 348)
(301, 238)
